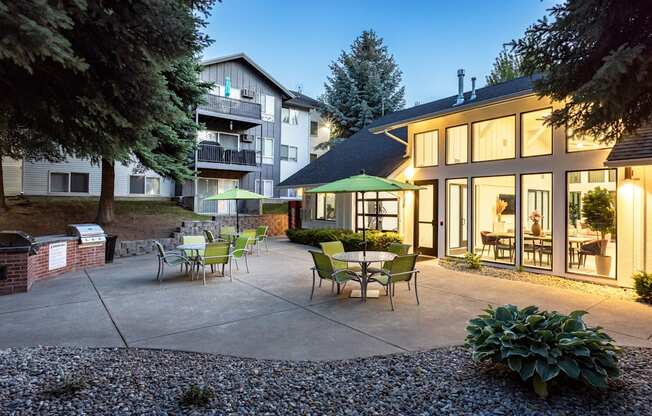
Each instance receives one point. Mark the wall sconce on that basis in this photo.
(629, 173)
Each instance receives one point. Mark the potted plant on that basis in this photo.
(535, 217)
(600, 215)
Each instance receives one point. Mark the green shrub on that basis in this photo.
(376, 240)
(472, 261)
(197, 396)
(643, 285)
(70, 385)
(542, 346)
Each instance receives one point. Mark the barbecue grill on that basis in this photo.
(17, 242)
(88, 234)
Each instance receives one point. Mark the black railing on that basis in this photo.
(226, 105)
(213, 152)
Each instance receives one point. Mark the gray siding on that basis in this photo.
(244, 76)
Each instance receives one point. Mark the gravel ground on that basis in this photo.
(441, 381)
(544, 279)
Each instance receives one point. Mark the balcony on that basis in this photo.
(214, 156)
(248, 111)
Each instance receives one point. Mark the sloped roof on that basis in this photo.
(507, 89)
(302, 100)
(634, 149)
(244, 57)
(376, 155)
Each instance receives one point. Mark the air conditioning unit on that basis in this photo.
(247, 93)
(247, 138)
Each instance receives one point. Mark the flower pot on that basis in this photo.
(499, 227)
(536, 229)
(603, 265)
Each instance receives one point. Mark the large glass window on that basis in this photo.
(210, 187)
(380, 211)
(152, 186)
(229, 141)
(69, 182)
(576, 142)
(494, 139)
(456, 217)
(426, 148)
(536, 135)
(58, 182)
(591, 223)
(536, 203)
(265, 150)
(494, 218)
(136, 184)
(456, 144)
(325, 209)
(79, 182)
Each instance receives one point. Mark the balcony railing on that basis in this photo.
(213, 152)
(226, 105)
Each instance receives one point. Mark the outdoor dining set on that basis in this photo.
(200, 251)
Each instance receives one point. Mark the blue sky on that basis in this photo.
(296, 40)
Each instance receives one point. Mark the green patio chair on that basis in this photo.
(332, 248)
(216, 254)
(227, 233)
(251, 235)
(401, 269)
(261, 236)
(324, 268)
(171, 259)
(399, 249)
(240, 250)
(209, 236)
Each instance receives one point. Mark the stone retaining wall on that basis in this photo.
(277, 223)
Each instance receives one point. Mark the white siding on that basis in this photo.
(36, 178)
(12, 175)
(299, 136)
(323, 132)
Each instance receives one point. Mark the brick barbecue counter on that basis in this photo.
(48, 256)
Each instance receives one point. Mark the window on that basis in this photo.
(210, 187)
(268, 188)
(265, 150)
(536, 203)
(426, 148)
(494, 218)
(536, 135)
(325, 207)
(494, 139)
(591, 239)
(380, 212)
(142, 185)
(290, 116)
(574, 177)
(289, 153)
(268, 108)
(576, 142)
(79, 182)
(456, 217)
(314, 128)
(456, 144)
(69, 182)
(229, 141)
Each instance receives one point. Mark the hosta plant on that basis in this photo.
(542, 346)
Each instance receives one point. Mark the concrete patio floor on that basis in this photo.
(267, 313)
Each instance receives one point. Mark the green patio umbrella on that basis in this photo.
(364, 183)
(236, 194)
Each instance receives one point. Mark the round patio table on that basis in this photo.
(364, 258)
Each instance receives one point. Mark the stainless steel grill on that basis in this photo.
(88, 234)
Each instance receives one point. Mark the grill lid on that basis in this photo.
(85, 230)
(15, 241)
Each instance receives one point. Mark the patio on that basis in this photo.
(267, 313)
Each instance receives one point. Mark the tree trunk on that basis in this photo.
(3, 202)
(105, 209)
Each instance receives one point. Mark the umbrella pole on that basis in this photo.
(364, 228)
(237, 217)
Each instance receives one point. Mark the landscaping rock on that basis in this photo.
(442, 381)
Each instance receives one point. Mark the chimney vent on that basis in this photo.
(460, 87)
(473, 96)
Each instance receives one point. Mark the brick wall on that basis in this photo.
(23, 270)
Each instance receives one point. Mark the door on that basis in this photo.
(425, 227)
(457, 211)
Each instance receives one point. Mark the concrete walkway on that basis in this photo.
(267, 313)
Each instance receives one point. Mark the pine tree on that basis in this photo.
(364, 84)
(105, 80)
(596, 56)
(506, 66)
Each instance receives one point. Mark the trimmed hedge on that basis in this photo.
(376, 240)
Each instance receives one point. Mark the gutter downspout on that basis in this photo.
(194, 191)
(398, 139)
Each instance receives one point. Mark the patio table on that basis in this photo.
(194, 247)
(364, 259)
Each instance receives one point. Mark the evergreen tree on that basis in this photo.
(506, 66)
(596, 56)
(105, 80)
(364, 84)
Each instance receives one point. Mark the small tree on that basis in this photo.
(364, 84)
(506, 66)
(598, 210)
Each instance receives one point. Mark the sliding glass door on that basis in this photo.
(456, 218)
